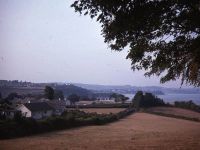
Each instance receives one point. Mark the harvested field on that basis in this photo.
(176, 111)
(103, 110)
(138, 131)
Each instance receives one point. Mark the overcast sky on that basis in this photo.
(46, 41)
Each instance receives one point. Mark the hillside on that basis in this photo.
(72, 89)
(24, 88)
(132, 89)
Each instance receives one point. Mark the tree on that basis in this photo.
(137, 99)
(13, 95)
(163, 36)
(146, 100)
(119, 97)
(73, 98)
(49, 92)
(114, 95)
(124, 99)
(58, 94)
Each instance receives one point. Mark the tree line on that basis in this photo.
(146, 100)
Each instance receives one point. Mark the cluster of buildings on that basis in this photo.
(35, 109)
(43, 108)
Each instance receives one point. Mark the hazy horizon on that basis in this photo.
(46, 41)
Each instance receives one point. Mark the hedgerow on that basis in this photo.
(69, 119)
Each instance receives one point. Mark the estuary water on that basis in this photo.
(175, 97)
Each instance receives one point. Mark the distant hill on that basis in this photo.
(128, 89)
(69, 89)
(21, 90)
(20, 87)
(24, 88)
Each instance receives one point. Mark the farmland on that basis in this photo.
(137, 131)
(103, 110)
(175, 111)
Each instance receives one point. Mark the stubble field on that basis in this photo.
(136, 132)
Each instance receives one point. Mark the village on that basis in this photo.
(42, 108)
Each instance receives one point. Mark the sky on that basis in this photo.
(46, 41)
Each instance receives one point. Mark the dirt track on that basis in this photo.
(138, 131)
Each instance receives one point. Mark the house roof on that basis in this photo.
(40, 106)
(57, 104)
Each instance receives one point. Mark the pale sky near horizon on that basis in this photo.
(46, 41)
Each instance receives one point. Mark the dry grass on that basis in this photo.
(138, 131)
(103, 110)
(176, 111)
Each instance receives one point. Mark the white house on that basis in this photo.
(105, 101)
(36, 110)
(67, 102)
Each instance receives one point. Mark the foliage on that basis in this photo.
(58, 94)
(69, 119)
(146, 100)
(119, 97)
(5, 104)
(73, 98)
(72, 89)
(13, 95)
(163, 36)
(187, 105)
(18, 116)
(49, 92)
(137, 99)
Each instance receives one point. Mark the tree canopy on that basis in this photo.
(49, 92)
(73, 98)
(119, 97)
(58, 94)
(163, 36)
(137, 99)
(146, 100)
(13, 95)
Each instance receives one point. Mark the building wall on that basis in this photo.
(36, 115)
(68, 102)
(42, 114)
(25, 112)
